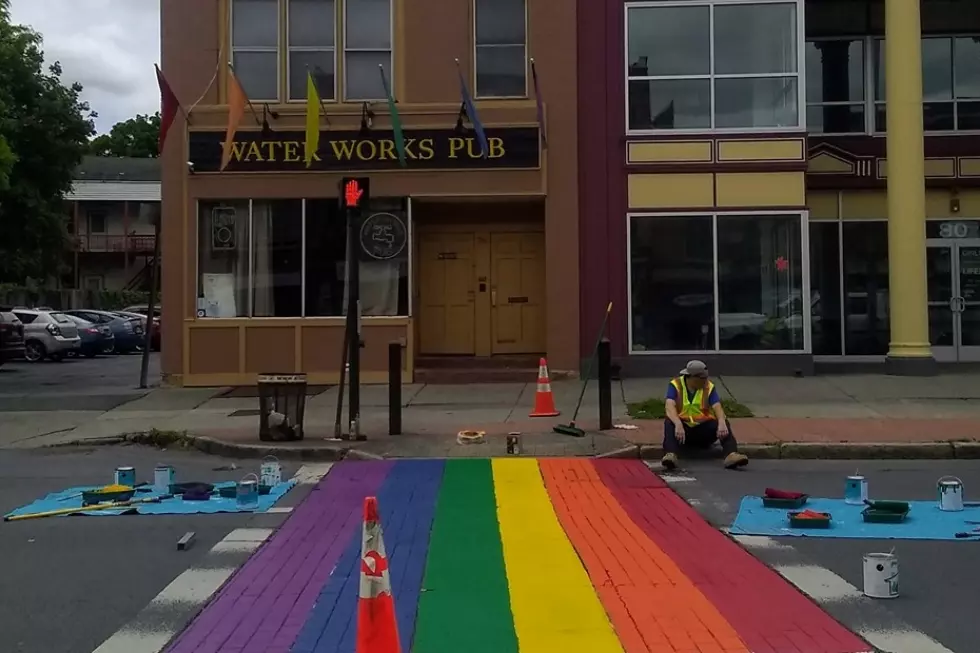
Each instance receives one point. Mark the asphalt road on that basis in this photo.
(96, 384)
(939, 579)
(68, 583)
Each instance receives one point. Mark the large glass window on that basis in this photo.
(288, 258)
(367, 45)
(255, 47)
(865, 269)
(835, 80)
(745, 76)
(825, 288)
(311, 47)
(501, 50)
(758, 273)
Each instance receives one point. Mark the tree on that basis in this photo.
(137, 137)
(44, 131)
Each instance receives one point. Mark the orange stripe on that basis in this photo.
(653, 606)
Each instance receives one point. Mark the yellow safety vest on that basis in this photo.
(693, 410)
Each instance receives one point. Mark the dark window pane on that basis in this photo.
(670, 104)
(880, 118)
(363, 76)
(834, 71)
(967, 67)
(222, 262)
(501, 71)
(258, 73)
(668, 41)
(760, 282)
(672, 283)
(756, 102)
(255, 23)
(866, 288)
(755, 39)
(311, 23)
(321, 64)
(825, 305)
(968, 115)
(277, 258)
(500, 22)
(368, 25)
(938, 116)
(879, 70)
(835, 119)
(937, 69)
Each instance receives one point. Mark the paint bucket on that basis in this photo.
(881, 576)
(163, 478)
(126, 476)
(270, 471)
(514, 443)
(247, 494)
(950, 494)
(856, 490)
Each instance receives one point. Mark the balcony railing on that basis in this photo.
(107, 243)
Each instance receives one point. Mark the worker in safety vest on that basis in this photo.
(695, 418)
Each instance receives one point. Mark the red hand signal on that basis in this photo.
(352, 193)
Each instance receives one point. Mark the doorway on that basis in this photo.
(953, 282)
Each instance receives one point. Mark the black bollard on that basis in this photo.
(394, 388)
(605, 385)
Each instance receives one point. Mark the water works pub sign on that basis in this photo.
(428, 149)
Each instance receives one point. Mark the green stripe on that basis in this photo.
(465, 604)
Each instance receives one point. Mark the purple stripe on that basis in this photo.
(264, 605)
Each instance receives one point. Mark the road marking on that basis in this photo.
(761, 542)
(903, 641)
(669, 478)
(819, 582)
(195, 587)
(279, 510)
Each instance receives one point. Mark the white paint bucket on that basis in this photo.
(950, 494)
(163, 478)
(880, 576)
(856, 490)
(270, 471)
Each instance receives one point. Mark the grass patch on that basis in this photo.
(653, 408)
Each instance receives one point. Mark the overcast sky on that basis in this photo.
(109, 46)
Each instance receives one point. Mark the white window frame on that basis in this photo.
(390, 51)
(264, 49)
(715, 217)
(476, 47)
(289, 49)
(409, 246)
(799, 75)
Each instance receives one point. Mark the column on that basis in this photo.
(909, 351)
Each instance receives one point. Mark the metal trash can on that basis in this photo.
(282, 403)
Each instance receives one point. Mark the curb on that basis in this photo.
(848, 451)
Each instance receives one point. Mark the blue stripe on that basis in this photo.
(407, 501)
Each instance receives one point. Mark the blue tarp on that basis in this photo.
(72, 498)
(925, 521)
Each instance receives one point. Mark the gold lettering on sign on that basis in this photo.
(455, 145)
(254, 153)
(343, 150)
(388, 150)
(496, 147)
(427, 149)
(291, 154)
(367, 153)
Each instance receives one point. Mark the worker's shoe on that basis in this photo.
(736, 460)
(669, 461)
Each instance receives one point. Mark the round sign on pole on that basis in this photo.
(383, 236)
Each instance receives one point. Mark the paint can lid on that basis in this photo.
(125, 469)
(950, 483)
(855, 478)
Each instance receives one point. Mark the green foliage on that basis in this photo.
(44, 131)
(34, 294)
(653, 408)
(137, 137)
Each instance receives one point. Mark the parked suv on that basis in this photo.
(48, 335)
(11, 337)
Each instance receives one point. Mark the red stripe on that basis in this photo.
(768, 613)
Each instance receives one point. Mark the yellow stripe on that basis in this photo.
(555, 607)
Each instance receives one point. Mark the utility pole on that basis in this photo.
(151, 212)
(354, 194)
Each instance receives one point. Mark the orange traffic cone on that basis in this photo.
(544, 400)
(377, 628)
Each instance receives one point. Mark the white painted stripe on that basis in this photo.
(131, 641)
(761, 542)
(819, 582)
(233, 546)
(678, 479)
(311, 474)
(248, 535)
(194, 586)
(279, 510)
(903, 641)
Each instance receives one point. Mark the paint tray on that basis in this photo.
(786, 504)
(878, 516)
(797, 522)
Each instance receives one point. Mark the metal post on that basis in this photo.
(605, 385)
(354, 324)
(394, 388)
(154, 214)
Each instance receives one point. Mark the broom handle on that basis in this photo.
(595, 353)
(68, 511)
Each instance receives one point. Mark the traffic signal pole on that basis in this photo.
(354, 193)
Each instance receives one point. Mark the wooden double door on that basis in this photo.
(481, 292)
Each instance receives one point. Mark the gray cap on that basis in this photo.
(695, 368)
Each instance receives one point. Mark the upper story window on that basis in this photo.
(274, 44)
(846, 86)
(713, 65)
(501, 48)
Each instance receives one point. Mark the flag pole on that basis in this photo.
(214, 78)
(248, 100)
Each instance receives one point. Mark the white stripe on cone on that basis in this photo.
(375, 579)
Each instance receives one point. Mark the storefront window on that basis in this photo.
(866, 288)
(672, 283)
(760, 283)
(825, 304)
(835, 86)
(264, 263)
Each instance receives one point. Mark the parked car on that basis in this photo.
(128, 332)
(48, 335)
(96, 338)
(11, 337)
(155, 333)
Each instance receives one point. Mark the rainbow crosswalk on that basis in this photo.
(513, 555)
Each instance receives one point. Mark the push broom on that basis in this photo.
(570, 428)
